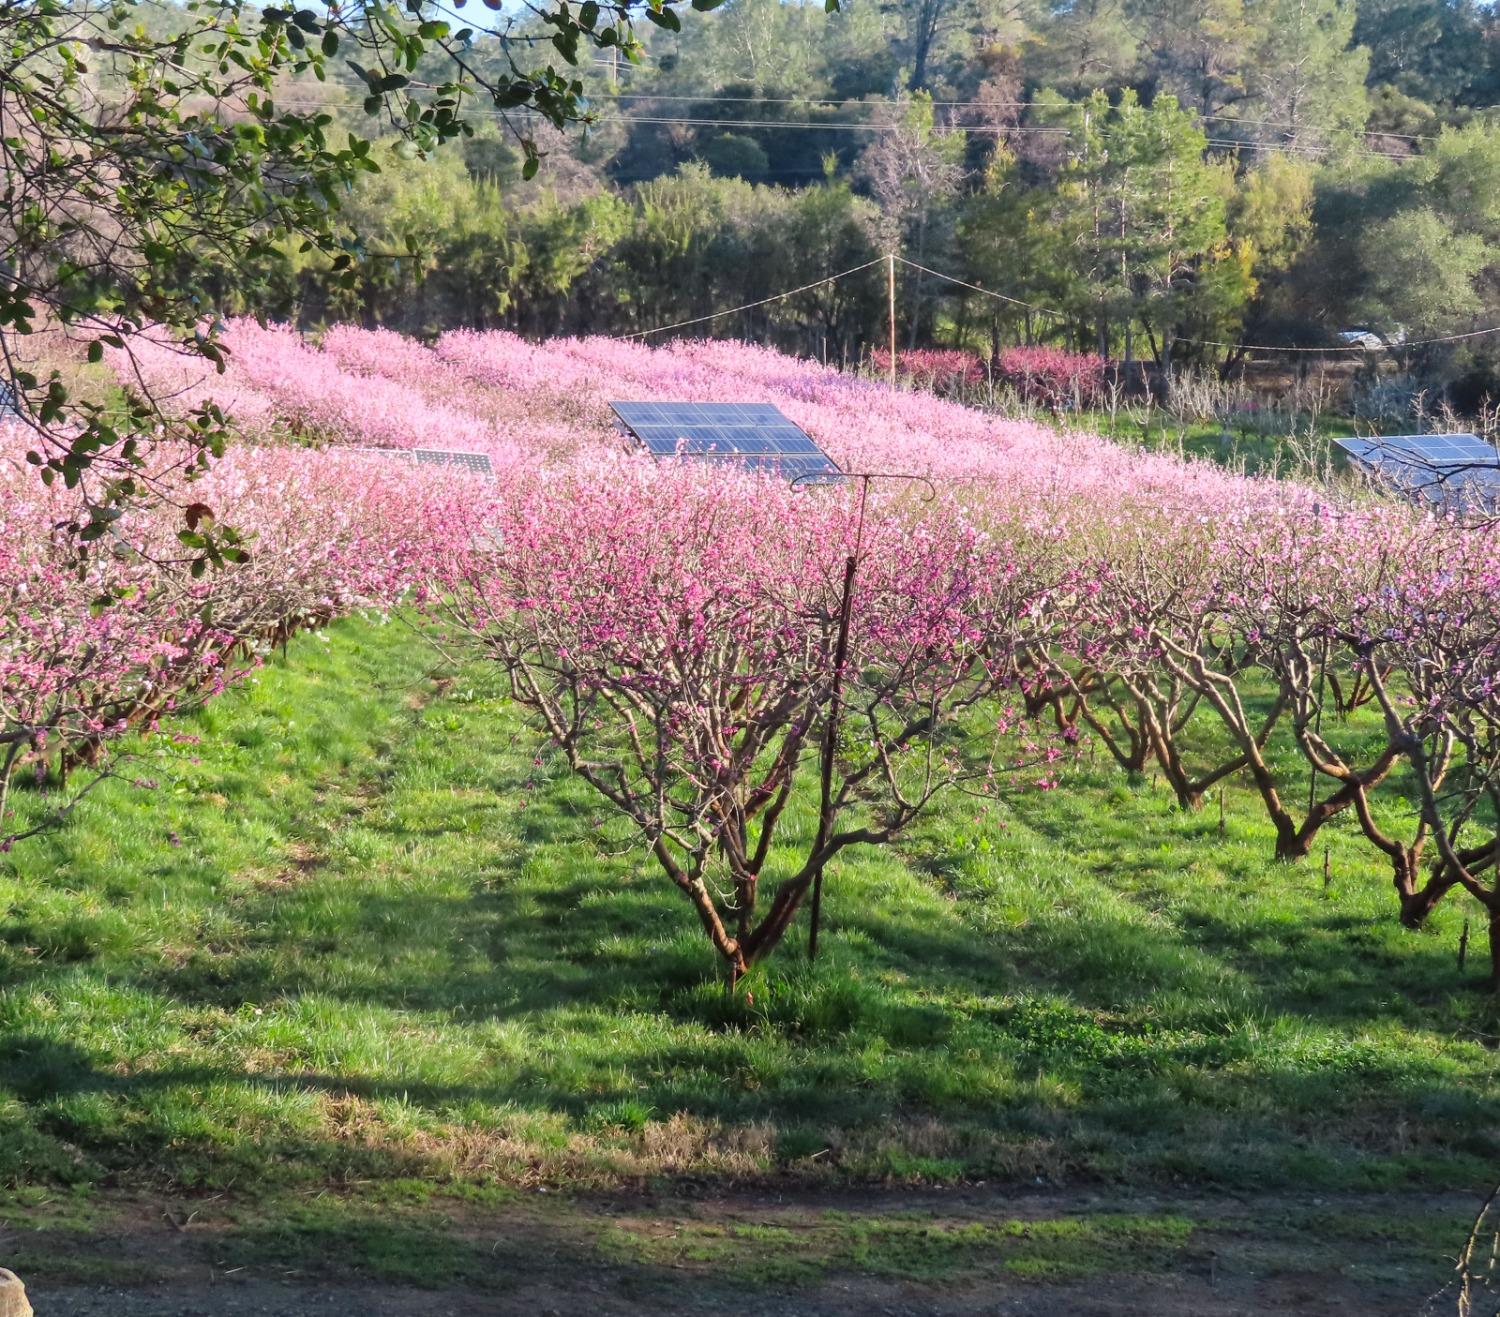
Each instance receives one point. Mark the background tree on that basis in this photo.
(914, 170)
(1081, 45)
(1305, 80)
(1197, 51)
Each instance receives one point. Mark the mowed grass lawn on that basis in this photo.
(362, 931)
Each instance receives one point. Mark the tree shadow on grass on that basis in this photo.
(581, 992)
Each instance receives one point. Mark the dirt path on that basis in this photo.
(970, 1252)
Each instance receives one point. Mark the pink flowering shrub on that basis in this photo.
(943, 370)
(1052, 377)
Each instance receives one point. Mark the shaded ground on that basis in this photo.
(961, 1252)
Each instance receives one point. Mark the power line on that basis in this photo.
(999, 130)
(988, 292)
(1202, 342)
(859, 103)
(750, 306)
(1029, 306)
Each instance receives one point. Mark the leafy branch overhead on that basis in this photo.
(157, 161)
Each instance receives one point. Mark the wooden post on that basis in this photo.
(1221, 811)
(890, 270)
(1463, 946)
(1326, 875)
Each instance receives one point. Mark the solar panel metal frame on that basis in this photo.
(1443, 470)
(754, 435)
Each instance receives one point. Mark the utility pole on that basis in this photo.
(890, 269)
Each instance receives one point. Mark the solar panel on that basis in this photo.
(748, 434)
(1445, 470)
(476, 462)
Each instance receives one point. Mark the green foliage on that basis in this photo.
(1420, 273)
(442, 248)
(734, 155)
(1305, 78)
(1433, 51)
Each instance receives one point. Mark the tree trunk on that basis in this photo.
(778, 919)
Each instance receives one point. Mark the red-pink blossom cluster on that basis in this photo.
(1046, 376)
(1051, 377)
(943, 370)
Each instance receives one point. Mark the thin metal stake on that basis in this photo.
(836, 690)
(830, 743)
(1312, 772)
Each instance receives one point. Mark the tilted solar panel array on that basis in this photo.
(749, 434)
(1461, 471)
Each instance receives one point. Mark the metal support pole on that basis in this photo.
(826, 807)
(830, 747)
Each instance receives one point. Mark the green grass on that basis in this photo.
(362, 931)
(1266, 449)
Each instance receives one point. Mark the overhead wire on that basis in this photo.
(1029, 306)
(856, 103)
(750, 306)
(1202, 342)
(999, 130)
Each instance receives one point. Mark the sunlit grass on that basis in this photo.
(362, 929)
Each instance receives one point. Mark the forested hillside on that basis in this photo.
(1160, 179)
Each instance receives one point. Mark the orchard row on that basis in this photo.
(706, 646)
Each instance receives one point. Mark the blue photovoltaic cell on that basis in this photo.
(1456, 470)
(749, 434)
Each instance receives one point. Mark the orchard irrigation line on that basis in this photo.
(1029, 306)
